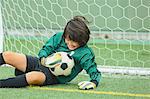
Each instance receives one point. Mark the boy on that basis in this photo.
(31, 70)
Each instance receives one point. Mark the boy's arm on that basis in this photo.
(50, 46)
(93, 83)
(47, 49)
(91, 68)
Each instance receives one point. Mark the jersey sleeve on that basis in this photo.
(50, 45)
(89, 65)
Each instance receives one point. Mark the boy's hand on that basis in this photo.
(86, 85)
(43, 60)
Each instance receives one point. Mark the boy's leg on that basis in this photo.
(18, 72)
(12, 57)
(15, 59)
(31, 78)
(14, 82)
(32, 65)
(35, 78)
(1, 59)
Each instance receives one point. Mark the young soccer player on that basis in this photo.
(31, 70)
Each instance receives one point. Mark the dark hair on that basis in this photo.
(77, 30)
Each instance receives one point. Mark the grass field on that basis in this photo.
(111, 87)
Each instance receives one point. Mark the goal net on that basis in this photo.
(120, 29)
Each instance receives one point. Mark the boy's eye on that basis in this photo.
(67, 39)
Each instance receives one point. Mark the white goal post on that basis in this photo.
(133, 71)
(1, 32)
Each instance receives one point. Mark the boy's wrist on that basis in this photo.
(95, 82)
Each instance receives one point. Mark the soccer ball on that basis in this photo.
(60, 63)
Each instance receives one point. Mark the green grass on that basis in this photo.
(122, 55)
(124, 85)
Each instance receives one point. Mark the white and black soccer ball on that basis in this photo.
(60, 63)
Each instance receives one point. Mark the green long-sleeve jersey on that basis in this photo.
(83, 56)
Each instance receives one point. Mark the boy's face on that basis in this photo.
(72, 45)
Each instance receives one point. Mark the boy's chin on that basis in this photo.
(71, 48)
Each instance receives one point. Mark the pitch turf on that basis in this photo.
(111, 87)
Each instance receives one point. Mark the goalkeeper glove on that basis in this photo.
(43, 60)
(86, 85)
(51, 60)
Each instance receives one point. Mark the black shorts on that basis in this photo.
(33, 64)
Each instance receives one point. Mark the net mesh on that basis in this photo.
(120, 28)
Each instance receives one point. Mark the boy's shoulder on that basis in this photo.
(89, 50)
(86, 50)
(59, 34)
